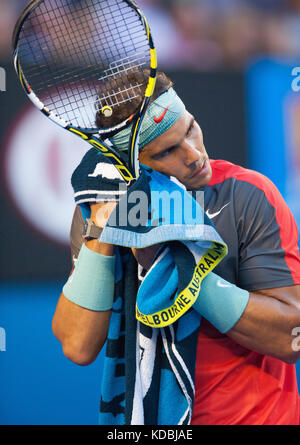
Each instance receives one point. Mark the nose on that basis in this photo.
(190, 154)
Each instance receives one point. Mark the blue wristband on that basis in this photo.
(221, 302)
(91, 285)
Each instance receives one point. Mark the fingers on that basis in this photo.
(100, 212)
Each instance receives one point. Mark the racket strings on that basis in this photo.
(67, 49)
(119, 69)
(136, 91)
(81, 38)
(62, 33)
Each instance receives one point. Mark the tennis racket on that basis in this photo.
(90, 67)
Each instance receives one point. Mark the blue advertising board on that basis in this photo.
(273, 120)
(273, 123)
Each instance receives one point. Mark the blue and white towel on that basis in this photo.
(149, 367)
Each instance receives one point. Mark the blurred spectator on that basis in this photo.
(7, 19)
(10, 10)
(194, 22)
(165, 35)
(240, 35)
(204, 34)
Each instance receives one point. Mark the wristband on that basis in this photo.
(91, 285)
(221, 302)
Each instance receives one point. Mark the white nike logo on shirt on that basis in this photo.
(212, 215)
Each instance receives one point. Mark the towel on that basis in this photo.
(150, 356)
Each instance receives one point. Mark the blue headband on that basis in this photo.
(159, 117)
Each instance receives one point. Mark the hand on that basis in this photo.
(101, 211)
(97, 180)
(100, 214)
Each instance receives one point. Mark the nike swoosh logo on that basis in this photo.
(220, 284)
(157, 120)
(212, 215)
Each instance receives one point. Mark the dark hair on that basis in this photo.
(138, 80)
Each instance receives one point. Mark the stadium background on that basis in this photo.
(234, 63)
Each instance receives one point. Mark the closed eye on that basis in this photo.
(174, 147)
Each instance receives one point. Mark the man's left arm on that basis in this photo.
(262, 308)
(269, 268)
(268, 321)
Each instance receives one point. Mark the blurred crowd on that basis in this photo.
(204, 34)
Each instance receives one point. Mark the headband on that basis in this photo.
(159, 117)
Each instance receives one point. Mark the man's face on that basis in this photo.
(180, 152)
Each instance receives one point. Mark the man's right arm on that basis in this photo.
(82, 332)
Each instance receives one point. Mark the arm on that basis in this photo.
(83, 332)
(269, 267)
(267, 323)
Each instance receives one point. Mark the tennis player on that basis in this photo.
(246, 376)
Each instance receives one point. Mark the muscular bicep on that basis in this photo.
(289, 294)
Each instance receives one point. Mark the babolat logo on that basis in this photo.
(189, 295)
(2, 79)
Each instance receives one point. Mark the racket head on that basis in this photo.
(88, 65)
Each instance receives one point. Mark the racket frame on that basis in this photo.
(96, 137)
